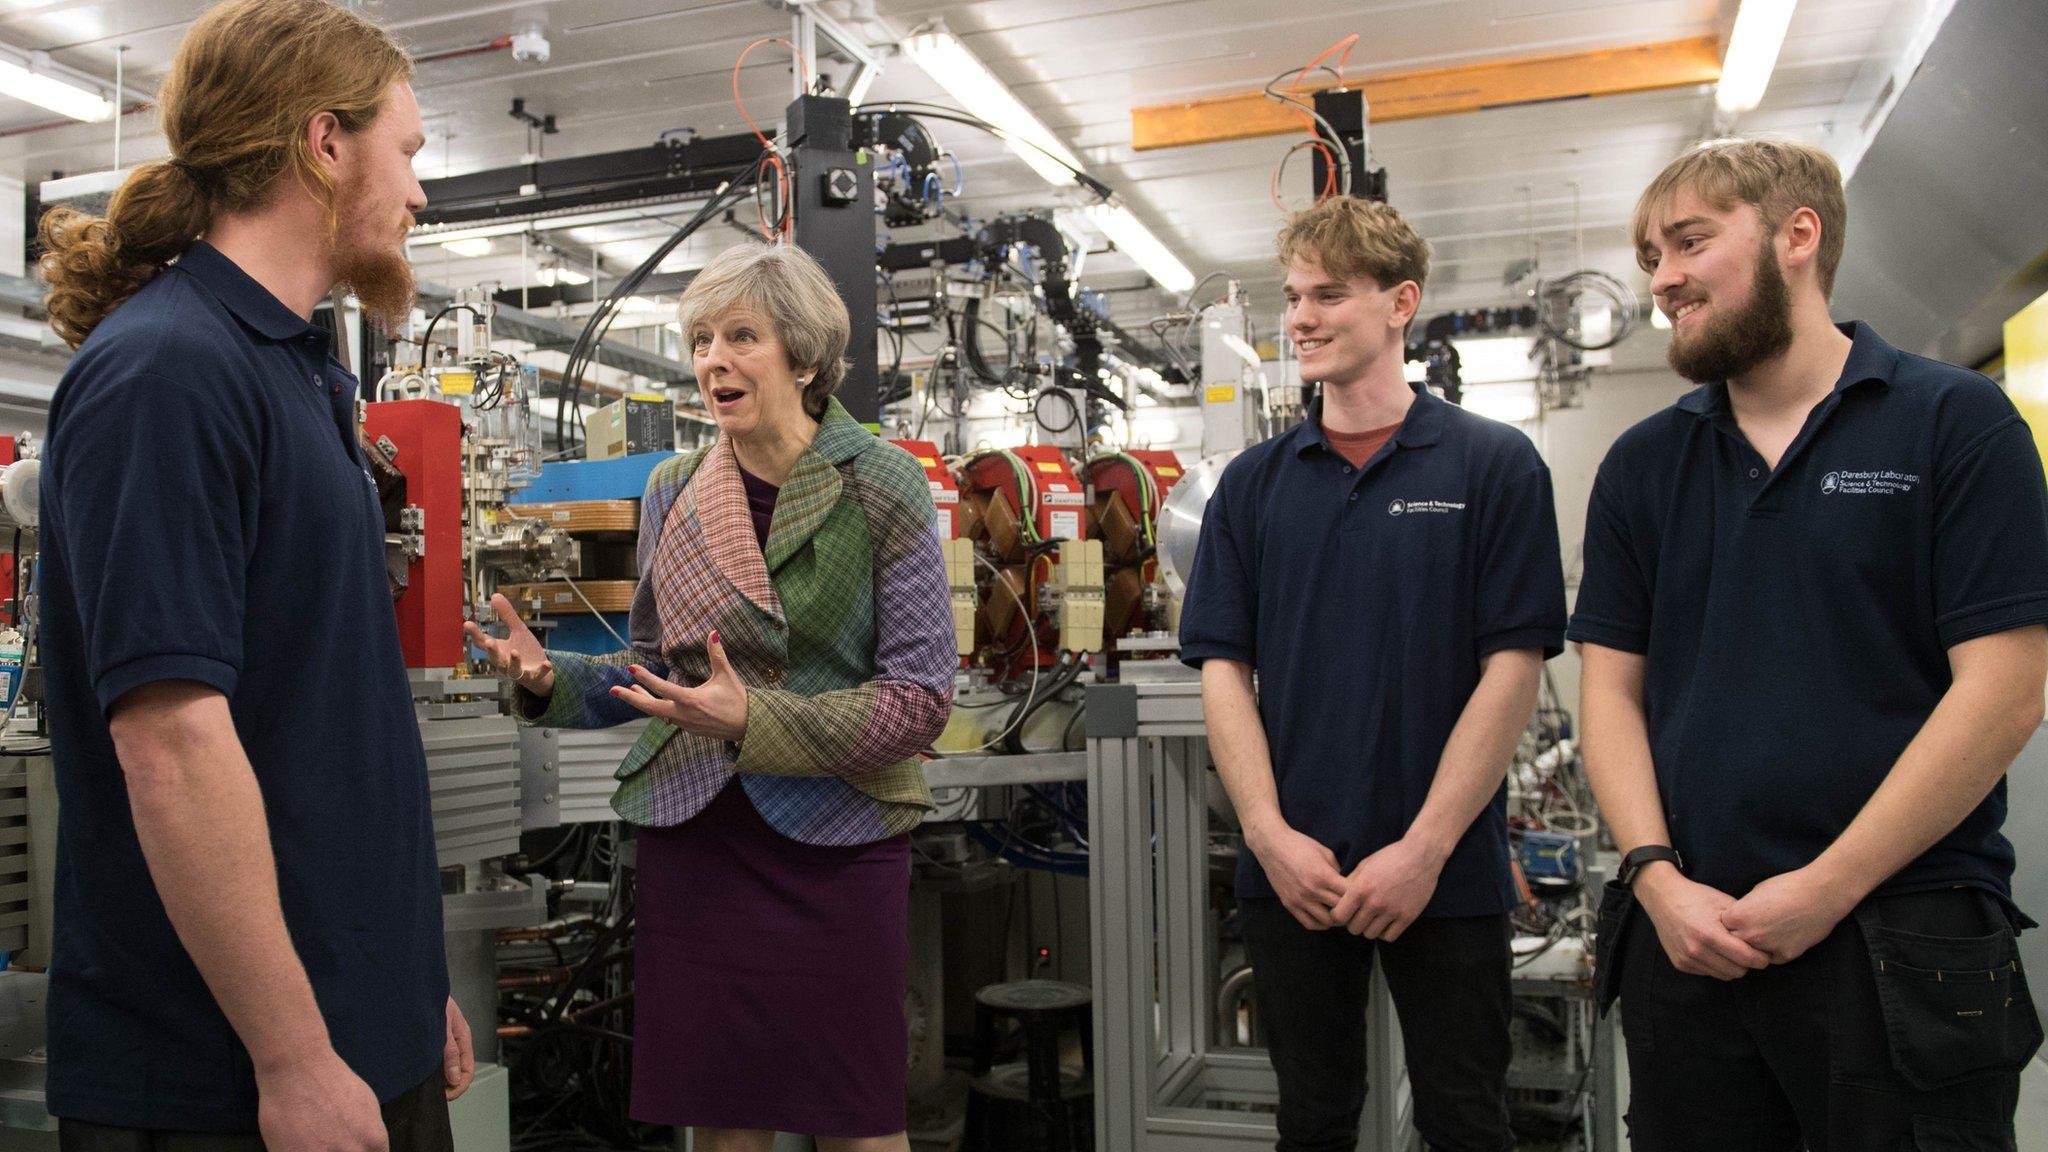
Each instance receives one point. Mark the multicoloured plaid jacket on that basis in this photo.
(842, 632)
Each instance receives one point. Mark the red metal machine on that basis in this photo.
(945, 490)
(1016, 504)
(423, 438)
(1128, 488)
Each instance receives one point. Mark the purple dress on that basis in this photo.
(770, 995)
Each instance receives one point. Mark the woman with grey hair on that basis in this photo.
(792, 638)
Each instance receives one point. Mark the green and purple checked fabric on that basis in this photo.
(841, 628)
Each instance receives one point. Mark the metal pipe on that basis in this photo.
(542, 979)
(120, 58)
(498, 45)
(545, 932)
(1229, 994)
(600, 1008)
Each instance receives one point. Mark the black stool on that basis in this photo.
(1034, 1106)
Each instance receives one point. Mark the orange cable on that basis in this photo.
(774, 154)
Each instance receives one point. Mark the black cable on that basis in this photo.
(956, 116)
(427, 341)
(1013, 740)
(1618, 294)
(1073, 410)
(592, 336)
(896, 330)
(569, 836)
(599, 950)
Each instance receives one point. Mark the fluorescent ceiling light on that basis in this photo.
(474, 246)
(1752, 53)
(551, 277)
(45, 90)
(1493, 359)
(948, 62)
(1130, 235)
(87, 184)
(1508, 403)
(438, 235)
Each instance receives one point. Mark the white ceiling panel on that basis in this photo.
(1486, 188)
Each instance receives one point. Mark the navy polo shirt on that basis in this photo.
(1364, 598)
(207, 517)
(1796, 622)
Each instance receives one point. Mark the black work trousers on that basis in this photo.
(1449, 980)
(416, 1122)
(1903, 1031)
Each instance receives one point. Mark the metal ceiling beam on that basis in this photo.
(541, 332)
(668, 170)
(543, 296)
(1442, 91)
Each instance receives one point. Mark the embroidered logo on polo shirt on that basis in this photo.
(1872, 483)
(1422, 507)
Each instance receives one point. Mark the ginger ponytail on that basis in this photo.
(234, 107)
(92, 264)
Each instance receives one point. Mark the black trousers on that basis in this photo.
(416, 1122)
(1449, 980)
(1904, 1031)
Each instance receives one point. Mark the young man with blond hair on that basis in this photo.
(248, 949)
(1812, 621)
(1389, 570)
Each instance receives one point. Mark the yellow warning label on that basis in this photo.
(927, 461)
(1048, 466)
(1169, 471)
(458, 383)
(1220, 394)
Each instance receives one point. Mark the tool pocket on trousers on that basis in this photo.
(1942, 1134)
(1617, 908)
(1954, 1008)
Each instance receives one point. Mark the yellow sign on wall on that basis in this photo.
(2026, 367)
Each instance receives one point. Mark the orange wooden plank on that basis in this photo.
(1443, 91)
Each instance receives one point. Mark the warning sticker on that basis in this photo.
(1220, 394)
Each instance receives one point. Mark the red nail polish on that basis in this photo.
(714, 637)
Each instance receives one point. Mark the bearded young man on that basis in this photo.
(1811, 618)
(248, 945)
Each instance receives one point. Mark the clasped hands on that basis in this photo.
(1706, 932)
(1380, 898)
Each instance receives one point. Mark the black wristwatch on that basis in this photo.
(1647, 854)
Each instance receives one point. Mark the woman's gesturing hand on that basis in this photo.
(716, 708)
(518, 655)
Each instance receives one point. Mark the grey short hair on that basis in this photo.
(800, 300)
